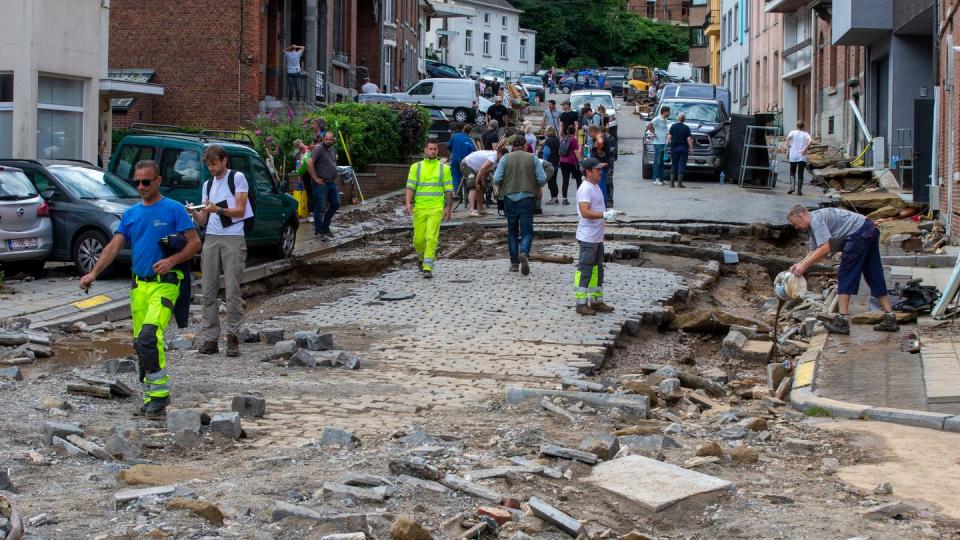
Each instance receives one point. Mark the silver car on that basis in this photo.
(26, 232)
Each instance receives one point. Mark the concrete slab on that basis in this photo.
(655, 485)
(803, 374)
(941, 371)
(908, 417)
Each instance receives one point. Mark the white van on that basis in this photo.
(680, 70)
(457, 97)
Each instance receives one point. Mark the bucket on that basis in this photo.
(788, 286)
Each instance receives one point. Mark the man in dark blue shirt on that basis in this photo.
(156, 281)
(679, 141)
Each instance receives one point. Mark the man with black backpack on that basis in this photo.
(228, 213)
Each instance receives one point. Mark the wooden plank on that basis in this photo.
(90, 390)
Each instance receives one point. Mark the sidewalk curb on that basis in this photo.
(805, 396)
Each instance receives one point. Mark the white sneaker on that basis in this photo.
(310, 218)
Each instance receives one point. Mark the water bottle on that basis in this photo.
(723, 178)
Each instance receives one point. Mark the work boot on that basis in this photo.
(839, 325)
(680, 181)
(156, 406)
(427, 274)
(233, 345)
(672, 178)
(792, 183)
(524, 264)
(514, 267)
(583, 309)
(209, 347)
(799, 187)
(887, 324)
(601, 307)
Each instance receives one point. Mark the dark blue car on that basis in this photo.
(571, 83)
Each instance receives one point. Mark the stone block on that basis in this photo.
(251, 406)
(416, 467)
(555, 517)
(313, 341)
(227, 424)
(775, 373)
(72, 449)
(124, 444)
(180, 344)
(246, 336)
(359, 493)
(907, 417)
(567, 453)
(60, 429)
(631, 404)
(670, 389)
(799, 445)
(655, 485)
(271, 336)
(732, 343)
(121, 498)
(302, 358)
(474, 490)
(183, 420)
(120, 365)
(604, 445)
(341, 522)
(732, 433)
(12, 373)
(952, 424)
(284, 349)
(664, 372)
(336, 436)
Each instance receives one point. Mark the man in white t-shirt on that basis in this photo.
(475, 170)
(588, 280)
(369, 87)
(293, 55)
(798, 141)
(224, 248)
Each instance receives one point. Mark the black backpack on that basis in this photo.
(610, 147)
(251, 196)
(565, 145)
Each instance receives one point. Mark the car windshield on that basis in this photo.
(531, 80)
(86, 183)
(446, 69)
(696, 111)
(490, 72)
(595, 100)
(14, 186)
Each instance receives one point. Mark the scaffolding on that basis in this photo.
(902, 161)
(772, 139)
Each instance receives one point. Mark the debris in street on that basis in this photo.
(227, 424)
(406, 528)
(360, 493)
(251, 406)
(184, 420)
(204, 509)
(474, 490)
(336, 436)
(12, 373)
(89, 447)
(59, 429)
(556, 517)
(121, 498)
(567, 453)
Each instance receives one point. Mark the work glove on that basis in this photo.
(609, 215)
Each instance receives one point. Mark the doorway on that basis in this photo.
(922, 148)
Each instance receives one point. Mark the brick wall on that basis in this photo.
(672, 10)
(383, 178)
(195, 49)
(949, 121)
(140, 111)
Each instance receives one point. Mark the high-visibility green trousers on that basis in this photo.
(151, 306)
(426, 233)
(588, 279)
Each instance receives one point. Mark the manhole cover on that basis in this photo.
(393, 296)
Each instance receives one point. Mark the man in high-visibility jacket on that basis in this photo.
(156, 278)
(429, 199)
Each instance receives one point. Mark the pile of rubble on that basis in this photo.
(20, 346)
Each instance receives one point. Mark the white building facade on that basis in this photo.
(492, 38)
(735, 52)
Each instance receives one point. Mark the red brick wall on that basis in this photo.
(195, 49)
(140, 111)
(383, 178)
(675, 8)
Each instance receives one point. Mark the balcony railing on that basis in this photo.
(798, 57)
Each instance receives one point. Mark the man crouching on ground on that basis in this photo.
(833, 230)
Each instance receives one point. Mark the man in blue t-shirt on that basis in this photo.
(156, 281)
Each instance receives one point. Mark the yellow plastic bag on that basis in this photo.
(301, 197)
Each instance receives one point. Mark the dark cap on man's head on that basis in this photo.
(592, 163)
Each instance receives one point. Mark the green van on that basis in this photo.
(180, 156)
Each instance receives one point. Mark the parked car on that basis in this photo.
(571, 83)
(26, 232)
(86, 204)
(439, 126)
(534, 86)
(487, 75)
(457, 97)
(595, 98)
(615, 84)
(180, 154)
(709, 125)
(376, 98)
(439, 70)
(696, 90)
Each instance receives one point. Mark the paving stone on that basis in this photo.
(567, 453)
(72, 449)
(302, 358)
(124, 444)
(184, 420)
(436, 487)
(12, 373)
(665, 372)
(775, 373)
(60, 429)
(180, 344)
(313, 341)
(670, 389)
(799, 445)
(365, 480)
(284, 349)
(647, 445)
(952, 424)
(360, 493)
(394, 296)
(336, 436)
(604, 445)
(634, 404)
(251, 406)
(120, 365)
(227, 424)
(655, 485)
(416, 467)
(733, 433)
(556, 517)
(246, 336)
(888, 510)
(343, 522)
(121, 498)
(271, 336)
(474, 490)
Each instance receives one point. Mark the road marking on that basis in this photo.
(93, 301)
(803, 374)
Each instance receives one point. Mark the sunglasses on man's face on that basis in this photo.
(142, 182)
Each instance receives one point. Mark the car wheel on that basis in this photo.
(565, 89)
(461, 116)
(288, 240)
(648, 172)
(87, 249)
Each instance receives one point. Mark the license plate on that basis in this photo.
(23, 243)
